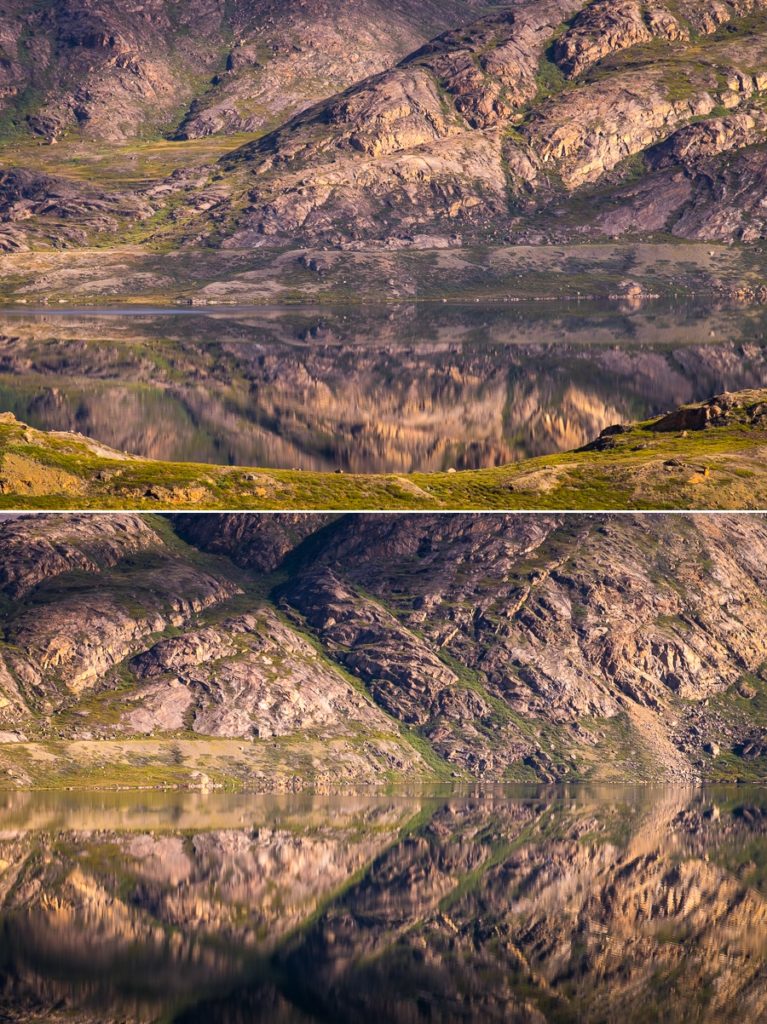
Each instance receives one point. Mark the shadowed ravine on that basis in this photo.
(597, 904)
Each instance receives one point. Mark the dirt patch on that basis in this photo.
(410, 487)
(20, 475)
(541, 481)
(670, 762)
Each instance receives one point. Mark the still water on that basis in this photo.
(370, 389)
(523, 905)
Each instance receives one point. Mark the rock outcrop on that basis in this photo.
(403, 675)
(514, 116)
(33, 553)
(61, 212)
(252, 542)
(250, 677)
(605, 27)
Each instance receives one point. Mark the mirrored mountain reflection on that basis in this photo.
(532, 905)
(397, 389)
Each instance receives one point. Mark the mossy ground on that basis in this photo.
(289, 765)
(129, 165)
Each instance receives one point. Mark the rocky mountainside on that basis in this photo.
(501, 647)
(502, 128)
(402, 125)
(116, 70)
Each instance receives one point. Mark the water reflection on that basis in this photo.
(528, 905)
(396, 389)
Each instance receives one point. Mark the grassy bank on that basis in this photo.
(656, 464)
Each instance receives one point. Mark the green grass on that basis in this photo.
(133, 164)
(550, 80)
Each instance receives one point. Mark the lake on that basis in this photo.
(523, 904)
(369, 389)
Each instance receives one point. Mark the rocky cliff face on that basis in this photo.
(260, 542)
(513, 647)
(517, 115)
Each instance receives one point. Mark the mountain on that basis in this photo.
(283, 651)
(445, 126)
(504, 129)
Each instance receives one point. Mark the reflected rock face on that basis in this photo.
(398, 391)
(520, 906)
